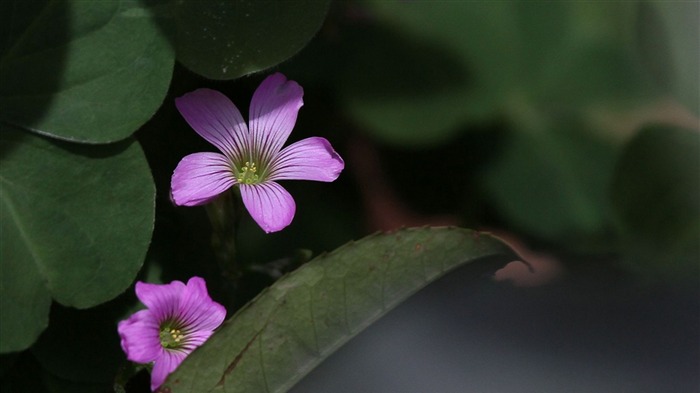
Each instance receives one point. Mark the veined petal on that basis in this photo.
(197, 338)
(140, 338)
(161, 299)
(215, 118)
(201, 177)
(165, 365)
(273, 113)
(197, 311)
(309, 159)
(269, 204)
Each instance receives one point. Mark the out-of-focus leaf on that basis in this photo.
(396, 72)
(668, 40)
(415, 81)
(84, 71)
(76, 225)
(553, 181)
(656, 194)
(494, 54)
(289, 328)
(227, 39)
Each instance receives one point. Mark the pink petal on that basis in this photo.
(196, 339)
(269, 204)
(308, 159)
(197, 311)
(140, 337)
(165, 365)
(215, 118)
(273, 113)
(162, 300)
(201, 177)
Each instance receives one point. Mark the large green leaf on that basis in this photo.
(84, 71)
(76, 224)
(228, 39)
(656, 196)
(292, 326)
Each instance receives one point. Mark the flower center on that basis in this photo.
(171, 337)
(248, 174)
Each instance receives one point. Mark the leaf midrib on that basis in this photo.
(7, 200)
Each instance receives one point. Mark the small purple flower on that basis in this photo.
(252, 157)
(179, 318)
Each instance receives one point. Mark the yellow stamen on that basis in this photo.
(170, 338)
(248, 174)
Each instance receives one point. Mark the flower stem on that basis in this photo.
(224, 215)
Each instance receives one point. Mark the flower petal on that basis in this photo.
(215, 118)
(269, 204)
(165, 365)
(162, 300)
(197, 311)
(140, 338)
(201, 177)
(273, 113)
(308, 159)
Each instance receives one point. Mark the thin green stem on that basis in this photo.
(224, 214)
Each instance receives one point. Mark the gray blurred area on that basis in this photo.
(580, 334)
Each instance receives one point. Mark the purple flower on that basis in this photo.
(251, 156)
(179, 318)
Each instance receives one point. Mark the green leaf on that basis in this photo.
(440, 66)
(76, 225)
(427, 70)
(397, 73)
(655, 193)
(83, 71)
(228, 39)
(668, 37)
(292, 326)
(552, 178)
